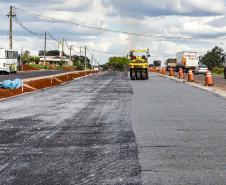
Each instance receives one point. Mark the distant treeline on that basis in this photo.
(116, 64)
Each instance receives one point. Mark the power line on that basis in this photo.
(57, 40)
(32, 32)
(26, 28)
(52, 37)
(99, 28)
(67, 45)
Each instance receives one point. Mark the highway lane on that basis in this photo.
(180, 131)
(29, 74)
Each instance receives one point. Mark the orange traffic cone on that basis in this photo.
(181, 74)
(171, 72)
(164, 71)
(191, 77)
(160, 70)
(209, 79)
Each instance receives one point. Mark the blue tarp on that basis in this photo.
(11, 84)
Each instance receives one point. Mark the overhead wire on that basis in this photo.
(52, 37)
(77, 24)
(32, 32)
(99, 28)
(26, 28)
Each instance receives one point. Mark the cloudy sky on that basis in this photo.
(180, 25)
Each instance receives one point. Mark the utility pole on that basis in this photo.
(45, 50)
(59, 42)
(71, 63)
(62, 49)
(92, 62)
(70, 52)
(80, 54)
(11, 15)
(21, 62)
(85, 58)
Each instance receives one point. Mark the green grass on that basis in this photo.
(38, 66)
(218, 71)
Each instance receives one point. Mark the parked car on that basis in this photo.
(201, 69)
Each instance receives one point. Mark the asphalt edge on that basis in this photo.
(211, 89)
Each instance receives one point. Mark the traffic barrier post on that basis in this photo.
(181, 74)
(171, 72)
(209, 79)
(191, 77)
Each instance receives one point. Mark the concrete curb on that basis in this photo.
(38, 90)
(214, 90)
(53, 76)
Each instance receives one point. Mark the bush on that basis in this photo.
(118, 63)
(218, 70)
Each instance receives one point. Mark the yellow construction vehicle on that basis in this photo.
(138, 64)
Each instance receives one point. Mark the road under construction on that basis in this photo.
(102, 129)
(142, 126)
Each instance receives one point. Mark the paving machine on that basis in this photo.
(138, 64)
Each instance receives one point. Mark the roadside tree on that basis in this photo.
(214, 58)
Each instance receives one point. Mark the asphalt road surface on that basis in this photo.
(106, 129)
(28, 74)
(180, 131)
(79, 133)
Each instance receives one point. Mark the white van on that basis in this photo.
(8, 61)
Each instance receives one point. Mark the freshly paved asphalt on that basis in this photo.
(106, 129)
(25, 75)
(180, 131)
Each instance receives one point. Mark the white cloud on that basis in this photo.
(166, 7)
(218, 6)
(72, 5)
(123, 37)
(162, 17)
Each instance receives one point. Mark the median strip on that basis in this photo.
(34, 84)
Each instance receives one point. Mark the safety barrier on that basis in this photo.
(171, 72)
(181, 74)
(209, 79)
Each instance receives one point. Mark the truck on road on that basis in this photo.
(187, 60)
(171, 63)
(8, 61)
(157, 63)
(138, 64)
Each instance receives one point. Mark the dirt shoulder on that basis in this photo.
(34, 84)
